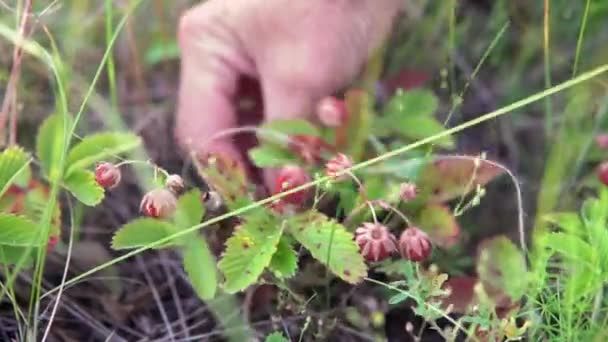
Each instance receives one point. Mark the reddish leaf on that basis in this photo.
(437, 221)
(463, 298)
(449, 178)
(310, 149)
(228, 178)
(462, 294)
(405, 79)
(30, 202)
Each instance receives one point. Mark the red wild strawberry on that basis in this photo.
(107, 175)
(408, 191)
(332, 112)
(158, 203)
(52, 243)
(175, 184)
(309, 148)
(291, 177)
(338, 164)
(375, 241)
(414, 244)
(602, 172)
(601, 140)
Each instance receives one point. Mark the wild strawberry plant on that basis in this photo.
(25, 195)
(417, 198)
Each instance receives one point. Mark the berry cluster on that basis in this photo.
(377, 243)
(157, 203)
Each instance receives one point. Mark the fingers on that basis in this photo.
(212, 62)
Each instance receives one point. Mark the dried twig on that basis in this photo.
(10, 99)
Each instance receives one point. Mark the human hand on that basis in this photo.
(300, 51)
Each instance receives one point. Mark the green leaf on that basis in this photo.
(398, 298)
(190, 210)
(11, 255)
(50, 144)
(573, 248)
(284, 263)
(567, 221)
(160, 51)
(328, 239)
(142, 232)
(404, 169)
(438, 221)
(270, 155)
(502, 266)
(418, 102)
(19, 232)
(13, 162)
(291, 127)
(82, 184)
(417, 128)
(199, 264)
(250, 250)
(98, 147)
(276, 337)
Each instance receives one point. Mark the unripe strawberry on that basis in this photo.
(308, 147)
(107, 175)
(408, 191)
(601, 140)
(337, 164)
(291, 177)
(175, 184)
(602, 172)
(375, 241)
(332, 112)
(158, 203)
(414, 244)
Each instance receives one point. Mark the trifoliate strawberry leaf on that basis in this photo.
(276, 337)
(438, 221)
(284, 263)
(50, 143)
(270, 155)
(19, 231)
(190, 210)
(143, 232)
(250, 250)
(13, 162)
(329, 240)
(199, 264)
(81, 183)
(98, 147)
